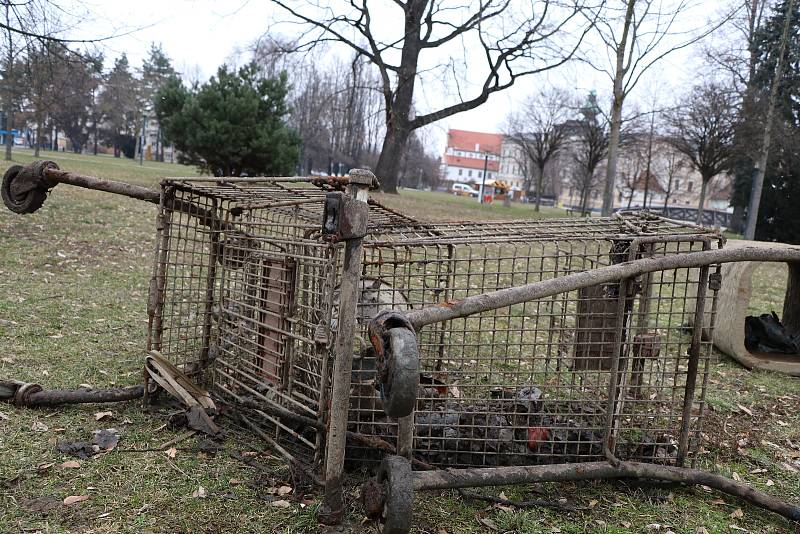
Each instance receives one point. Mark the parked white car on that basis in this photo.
(462, 190)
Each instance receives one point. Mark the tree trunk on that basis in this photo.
(584, 200)
(702, 203)
(758, 182)
(38, 136)
(539, 180)
(791, 304)
(737, 220)
(388, 167)
(9, 127)
(616, 111)
(613, 153)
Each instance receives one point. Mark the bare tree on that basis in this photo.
(633, 158)
(732, 54)
(732, 57)
(538, 130)
(514, 40)
(335, 109)
(590, 148)
(702, 129)
(637, 35)
(761, 167)
(30, 24)
(674, 163)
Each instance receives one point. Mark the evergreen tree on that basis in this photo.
(157, 72)
(119, 109)
(232, 125)
(778, 217)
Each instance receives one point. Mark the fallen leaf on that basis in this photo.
(3, 416)
(701, 530)
(7, 360)
(758, 471)
(736, 527)
(284, 490)
(102, 415)
(281, 504)
(38, 426)
(72, 499)
(70, 464)
(737, 513)
(105, 439)
(503, 496)
(718, 501)
(57, 335)
(171, 452)
(782, 423)
(770, 482)
(44, 467)
(234, 482)
(199, 493)
(653, 526)
(745, 410)
(101, 516)
(593, 503)
(735, 476)
(625, 524)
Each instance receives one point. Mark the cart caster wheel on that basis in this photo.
(396, 477)
(400, 373)
(24, 189)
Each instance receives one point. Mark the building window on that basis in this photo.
(677, 185)
(480, 174)
(689, 186)
(491, 176)
(460, 171)
(469, 173)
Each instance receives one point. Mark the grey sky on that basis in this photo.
(199, 35)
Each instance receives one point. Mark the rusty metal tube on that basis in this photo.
(501, 476)
(519, 294)
(110, 186)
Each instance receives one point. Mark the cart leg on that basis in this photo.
(332, 509)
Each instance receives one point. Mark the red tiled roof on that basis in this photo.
(470, 163)
(653, 186)
(466, 140)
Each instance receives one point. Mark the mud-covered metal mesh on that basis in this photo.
(246, 292)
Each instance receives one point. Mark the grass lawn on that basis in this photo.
(73, 290)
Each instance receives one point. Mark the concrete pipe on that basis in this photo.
(733, 300)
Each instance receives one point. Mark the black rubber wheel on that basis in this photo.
(399, 391)
(396, 476)
(20, 201)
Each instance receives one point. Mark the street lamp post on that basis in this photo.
(485, 168)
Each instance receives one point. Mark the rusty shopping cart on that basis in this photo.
(341, 331)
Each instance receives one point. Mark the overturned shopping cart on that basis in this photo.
(342, 331)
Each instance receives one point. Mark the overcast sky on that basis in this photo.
(199, 35)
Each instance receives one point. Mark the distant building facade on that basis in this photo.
(466, 155)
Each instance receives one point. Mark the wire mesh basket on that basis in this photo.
(246, 293)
